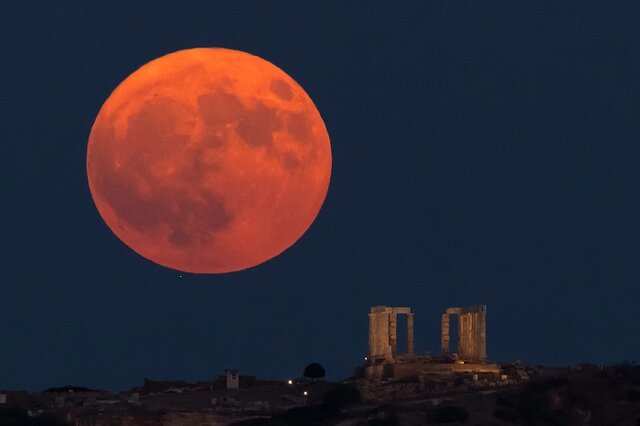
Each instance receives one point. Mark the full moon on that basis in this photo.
(209, 161)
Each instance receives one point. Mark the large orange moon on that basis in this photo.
(209, 161)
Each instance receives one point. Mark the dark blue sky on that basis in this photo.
(483, 152)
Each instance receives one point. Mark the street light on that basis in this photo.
(290, 382)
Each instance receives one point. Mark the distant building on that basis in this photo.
(233, 379)
(3, 398)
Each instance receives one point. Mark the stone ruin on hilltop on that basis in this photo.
(384, 361)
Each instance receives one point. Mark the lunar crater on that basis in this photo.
(219, 108)
(281, 89)
(256, 126)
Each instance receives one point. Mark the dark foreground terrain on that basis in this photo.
(588, 395)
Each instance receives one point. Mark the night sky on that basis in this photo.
(483, 152)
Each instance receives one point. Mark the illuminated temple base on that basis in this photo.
(406, 369)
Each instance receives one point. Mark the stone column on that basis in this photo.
(482, 334)
(470, 340)
(393, 338)
(463, 336)
(473, 336)
(379, 347)
(372, 337)
(471, 350)
(445, 334)
(410, 349)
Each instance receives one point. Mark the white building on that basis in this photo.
(233, 379)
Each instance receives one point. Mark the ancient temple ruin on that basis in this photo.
(472, 332)
(383, 343)
(470, 354)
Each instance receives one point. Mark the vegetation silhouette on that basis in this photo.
(314, 371)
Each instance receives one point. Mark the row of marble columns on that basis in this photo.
(472, 332)
(383, 337)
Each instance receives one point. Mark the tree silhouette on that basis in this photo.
(314, 371)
